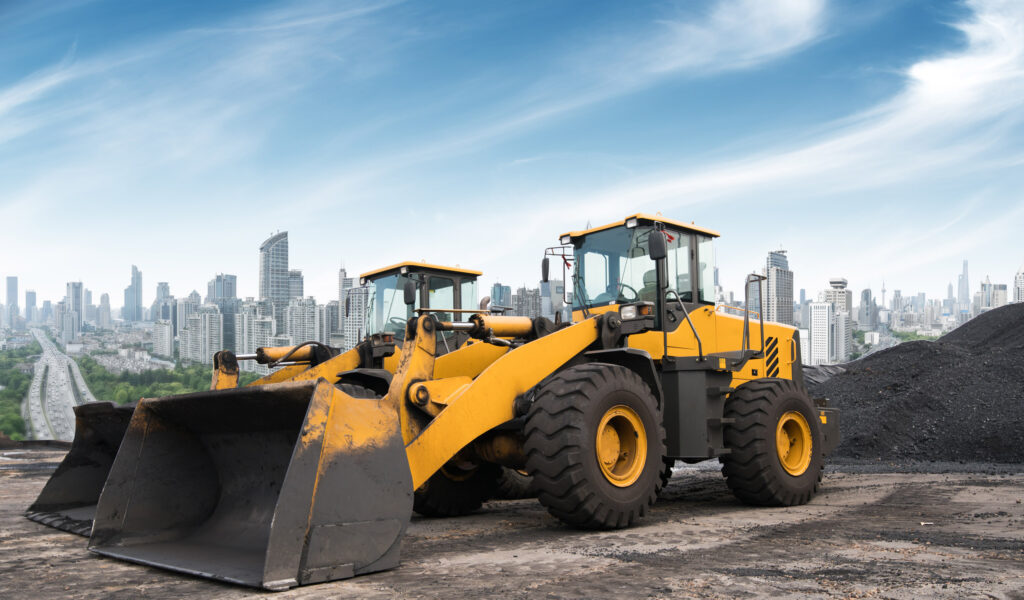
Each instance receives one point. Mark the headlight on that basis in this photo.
(565, 240)
(628, 313)
(631, 223)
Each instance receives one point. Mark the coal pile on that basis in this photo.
(958, 399)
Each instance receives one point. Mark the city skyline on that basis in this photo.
(885, 135)
(486, 283)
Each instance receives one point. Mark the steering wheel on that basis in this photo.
(630, 288)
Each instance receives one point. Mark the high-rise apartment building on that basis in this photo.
(867, 313)
(999, 295)
(252, 330)
(185, 307)
(221, 287)
(501, 295)
(103, 320)
(345, 283)
(274, 267)
(964, 288)
(330, 321)
(275, 284)
(163, 338)
(1018, 285)
(354, 323)
(295, 286)
(31, 312)
(779, 289)
(838, 295)
(302, 320)
(843, 337)
(821, 333)
(74, 309)
(841, 300)
(12, 302)
(201, 337)
(526, 302)
(132, 311)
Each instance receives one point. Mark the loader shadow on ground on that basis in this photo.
(867, 534)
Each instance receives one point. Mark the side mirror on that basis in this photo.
(410, 292)
(544, 266)
(656, 247)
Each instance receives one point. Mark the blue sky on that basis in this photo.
(871, 139)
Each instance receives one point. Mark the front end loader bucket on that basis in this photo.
(268, 486)
(68, 500)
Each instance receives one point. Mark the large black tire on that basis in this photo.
(561, 446)
(514, 485)
(753, 469)
(457, 489)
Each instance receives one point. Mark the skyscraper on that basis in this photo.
(345, 283)
(275, 284)
(1018, 285)
(779, 292)
(303, 320)
(964, 295)
(12, 301)
(184, 309)
(866, 314)
(201, 337)
(526, 302)
(838, 295)
(30, 306)
(221, 287)
(74, 309)
(295, 284)
(132, 311)
(822, 333)
(163, 338)
(501, 295)
(355, 320)
(103, 320)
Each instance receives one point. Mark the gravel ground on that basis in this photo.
(867, 534)
(958, 399)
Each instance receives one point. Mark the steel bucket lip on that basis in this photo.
(125, 553)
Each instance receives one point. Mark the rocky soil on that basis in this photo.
(960, 398)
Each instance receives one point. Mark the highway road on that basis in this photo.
(51, 397)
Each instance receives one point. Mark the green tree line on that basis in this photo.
(16, 384)
(130, 387)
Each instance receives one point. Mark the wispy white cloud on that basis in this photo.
(731, 35)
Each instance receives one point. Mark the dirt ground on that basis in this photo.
(867, 535)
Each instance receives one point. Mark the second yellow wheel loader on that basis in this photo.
(68, 500)
(296, 483)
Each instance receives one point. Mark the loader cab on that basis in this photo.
(610, 265)
(437, 288)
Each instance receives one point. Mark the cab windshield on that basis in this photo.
(613, 267)
(386, 311)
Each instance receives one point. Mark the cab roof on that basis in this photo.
(420, 267)
(644, 219)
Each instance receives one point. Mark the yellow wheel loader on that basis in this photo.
(68, 500)
(302, 482)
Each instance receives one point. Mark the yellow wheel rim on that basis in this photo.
(621, 446)
(793, 443)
